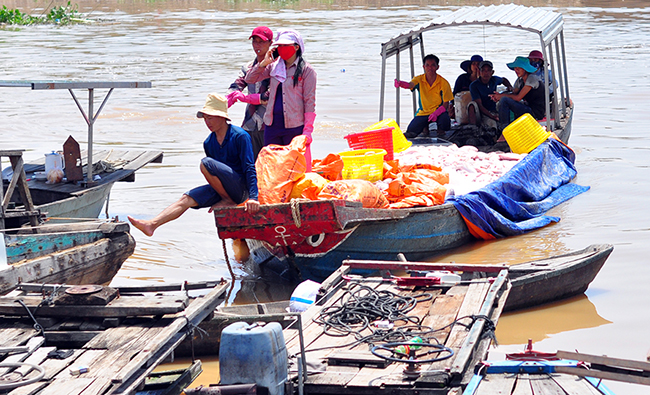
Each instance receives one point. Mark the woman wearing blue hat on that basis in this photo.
(528, 94)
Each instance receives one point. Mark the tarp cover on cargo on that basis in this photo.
(515, 203)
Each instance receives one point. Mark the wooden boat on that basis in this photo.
(88, 187)
(92, 339)
(533, 283)
(170, 382)
(82, 253)
(547, 25)
(555, 278)
(315, 236)
(67, 200)
(536, 373)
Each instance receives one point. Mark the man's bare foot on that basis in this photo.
(144, 226)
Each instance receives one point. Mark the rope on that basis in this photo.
(37, 326)
(225, 254)
(38, 377)
(190, 332)
(295, 212)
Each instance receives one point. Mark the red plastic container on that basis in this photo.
(380, 138)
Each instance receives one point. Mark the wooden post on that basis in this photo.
(72, 158)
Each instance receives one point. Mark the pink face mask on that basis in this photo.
(286, 51)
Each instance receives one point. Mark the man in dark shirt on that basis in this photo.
(482, 110)
(228, 168)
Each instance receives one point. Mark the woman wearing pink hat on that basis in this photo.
(258, 94)
(536, 59)
(291, 109)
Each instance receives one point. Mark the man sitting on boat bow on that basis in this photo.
(228, 168)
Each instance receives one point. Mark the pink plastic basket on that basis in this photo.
(380, 138)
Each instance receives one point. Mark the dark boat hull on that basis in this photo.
(555, 278)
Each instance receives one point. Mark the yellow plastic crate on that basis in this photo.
(400, 143)
(364, 164)
(524, 134)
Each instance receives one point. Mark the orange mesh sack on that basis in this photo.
(308, 187)
(330, 167)
(415, 189)
(355, 190)
(278, 168)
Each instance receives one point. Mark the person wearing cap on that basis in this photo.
(536, 59)
(482, 110)
(291, 109)
(471, 70)
(527, 96)
(262, 38)
(435, 95)
(461, 93)
(228, 168)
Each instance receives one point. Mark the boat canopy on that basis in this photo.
(548, 25)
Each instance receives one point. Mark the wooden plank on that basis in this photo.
(32, 345)
(482, 349)
(544, 384)
(68, 386)
(113, 338)
(422, 266)
(604, 375)
(11, 337)
(463, 357)
(605, 360)
(574, 385)
(54, 367)
(334, 376)
(195, 313)
(120, 307)
(496, 384)
(522, 387)
(472, 301)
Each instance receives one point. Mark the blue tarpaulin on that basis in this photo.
(514, 203)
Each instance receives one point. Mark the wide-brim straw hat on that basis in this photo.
(216, 105)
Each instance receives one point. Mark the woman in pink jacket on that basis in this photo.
(291, 109)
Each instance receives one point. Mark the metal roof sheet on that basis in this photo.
(547, 24)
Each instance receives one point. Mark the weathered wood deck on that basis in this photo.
(348, 366)
(121, 343)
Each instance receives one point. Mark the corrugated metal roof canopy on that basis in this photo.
(547, 24)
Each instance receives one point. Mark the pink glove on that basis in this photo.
(253, 98)
(402, 84)
(307, 130)
(233, 97)
(434, 115)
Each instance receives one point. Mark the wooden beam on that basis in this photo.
(624, 377)
(605, 360)
(395, 265)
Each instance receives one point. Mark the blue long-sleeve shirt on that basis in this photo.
(236, 151)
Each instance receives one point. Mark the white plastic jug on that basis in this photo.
(3, 251)
(53, 161)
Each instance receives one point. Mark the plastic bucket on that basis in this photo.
(400, 143)
(524, 134)
(380, 138)
(461, 101)
(363, 164)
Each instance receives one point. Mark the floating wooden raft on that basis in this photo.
(355, 370)
(123, 338)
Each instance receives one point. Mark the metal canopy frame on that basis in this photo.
(548, 25)
(89, 116)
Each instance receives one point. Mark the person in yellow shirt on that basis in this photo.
(435, 95)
